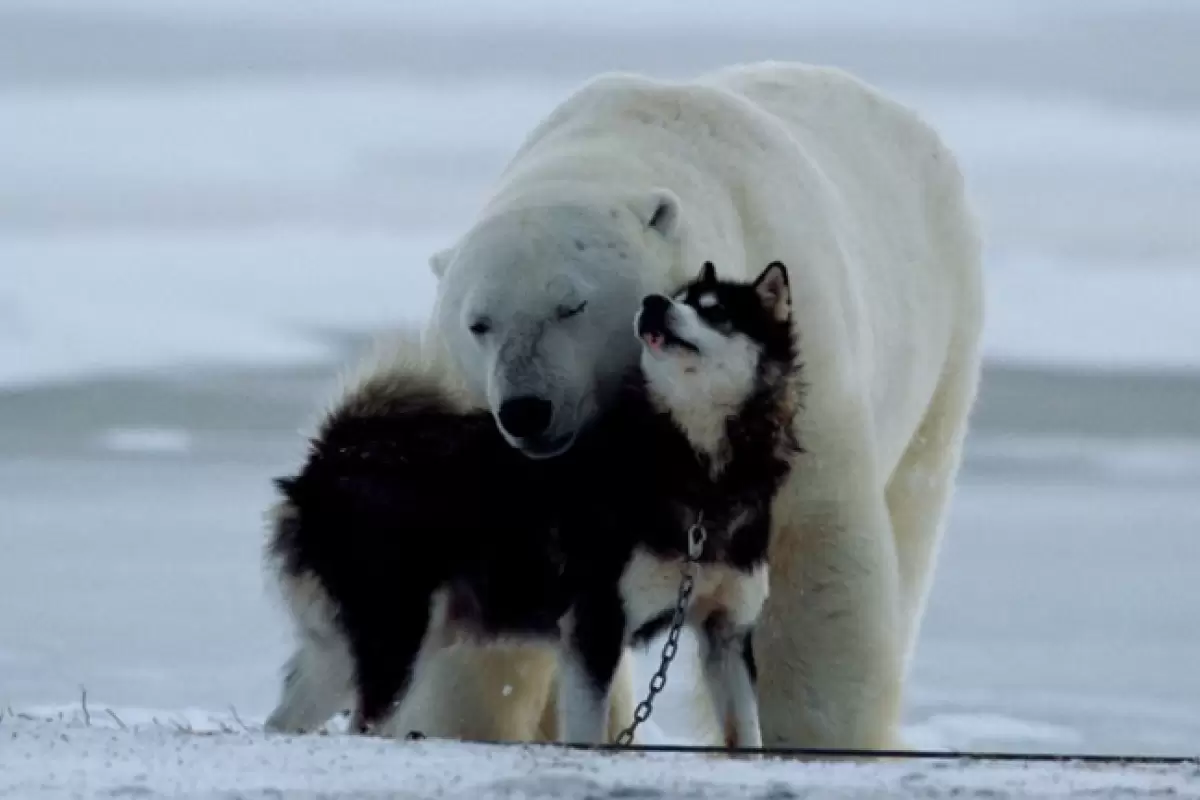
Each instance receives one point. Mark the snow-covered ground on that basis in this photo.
(224, 757)
(204, 204)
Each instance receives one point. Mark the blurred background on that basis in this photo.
(207, 207)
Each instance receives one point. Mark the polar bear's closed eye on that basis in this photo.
(536, 304)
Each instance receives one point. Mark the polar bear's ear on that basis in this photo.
(439, 261)
(774, 291)
(660, 211)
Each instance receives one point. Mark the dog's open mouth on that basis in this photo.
(654, 327)
(660, 339)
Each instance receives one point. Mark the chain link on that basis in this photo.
(658, 682)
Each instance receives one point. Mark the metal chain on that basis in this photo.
(696, 536)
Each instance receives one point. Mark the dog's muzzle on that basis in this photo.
(654, 325)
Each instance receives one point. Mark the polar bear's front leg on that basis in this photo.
(829, 645)
(492, 693)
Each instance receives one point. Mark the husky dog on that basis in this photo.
(414, 523)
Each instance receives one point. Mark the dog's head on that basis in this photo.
(716, 343)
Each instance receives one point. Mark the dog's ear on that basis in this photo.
(708, 273)
(774, 290)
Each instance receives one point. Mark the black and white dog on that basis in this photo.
(413, 522)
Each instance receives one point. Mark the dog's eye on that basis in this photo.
(566, 312)
(479, 327)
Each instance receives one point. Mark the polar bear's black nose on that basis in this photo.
(525, 416)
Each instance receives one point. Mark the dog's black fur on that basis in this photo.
(396, 502)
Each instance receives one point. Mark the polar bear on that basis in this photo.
(625, 189)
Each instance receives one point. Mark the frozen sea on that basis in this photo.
(207, 208)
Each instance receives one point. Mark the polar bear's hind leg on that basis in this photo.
(920, 489)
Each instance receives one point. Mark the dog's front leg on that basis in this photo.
(593, 642)
(318, 683)
(731, 675)
(743, 695)
(386, 648)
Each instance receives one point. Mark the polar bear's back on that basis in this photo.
(817, 101)
(740, 142)
(853, 130)
(863, 141)
(768, 106)
(915, 243)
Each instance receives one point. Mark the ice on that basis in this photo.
(145, 440)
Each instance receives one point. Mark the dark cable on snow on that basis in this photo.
(817, 753)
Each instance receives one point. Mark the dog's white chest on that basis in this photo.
(650, 585)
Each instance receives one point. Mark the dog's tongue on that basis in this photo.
(654, 341)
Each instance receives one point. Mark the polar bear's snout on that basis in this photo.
(530, 425)
(535, 394)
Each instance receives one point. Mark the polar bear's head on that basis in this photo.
(535, 305)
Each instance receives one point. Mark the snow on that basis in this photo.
(79, 307)
(1122, 317)
(47, 756)
(935, 731)
(145, 440)
(235, 221)
(922, 15)
(1144, 460)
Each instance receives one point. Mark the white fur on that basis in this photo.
(701, 390)
(731, 689)
(650, 585)
(318, 677)
(627, 188)
(580, 706)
